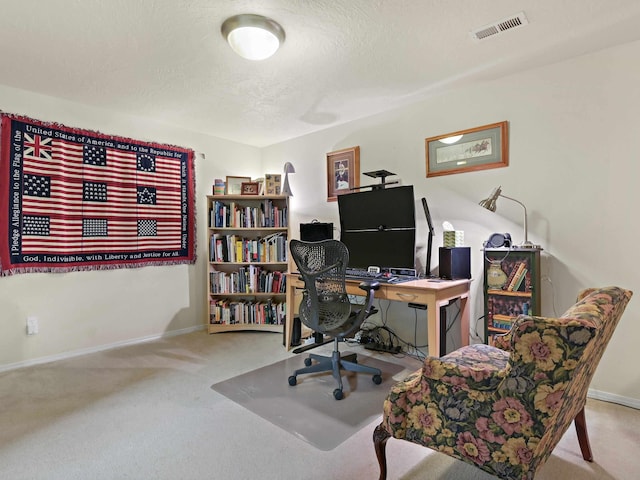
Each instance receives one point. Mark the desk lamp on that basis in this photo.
(286, 188)
(490, 204)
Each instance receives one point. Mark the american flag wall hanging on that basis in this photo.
(74, 199)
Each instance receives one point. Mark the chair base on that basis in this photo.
(335, 364)
(381, 435)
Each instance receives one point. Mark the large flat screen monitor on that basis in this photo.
(379, 228)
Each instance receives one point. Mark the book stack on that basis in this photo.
(233, 215)
(235, 248)
(229, 312)
(251, 279)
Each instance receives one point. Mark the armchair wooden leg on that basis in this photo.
(380, 437)
(583, 438)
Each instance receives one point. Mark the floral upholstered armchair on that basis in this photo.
(505, 408)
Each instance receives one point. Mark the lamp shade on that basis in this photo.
(490, 202)
(253, 37)
(286, 188)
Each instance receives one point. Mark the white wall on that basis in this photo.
(572, 162)
(81, 311)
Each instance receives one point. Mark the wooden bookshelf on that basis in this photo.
(248, 238)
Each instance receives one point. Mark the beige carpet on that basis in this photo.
(147, 412)
(308, 410)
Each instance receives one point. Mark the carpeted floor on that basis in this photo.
(147, 412)
(309, 410)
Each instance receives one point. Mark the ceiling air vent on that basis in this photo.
(509, 23)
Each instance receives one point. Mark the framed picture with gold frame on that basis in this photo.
(469, 150)
(343, 172)
(273, 183)
(234, 185)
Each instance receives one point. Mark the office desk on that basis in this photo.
(432, 294)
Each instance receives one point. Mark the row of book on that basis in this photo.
(235, 215)
(250, 279)
(236, 248)
(516, 281)
(226, 312)
(503, 324)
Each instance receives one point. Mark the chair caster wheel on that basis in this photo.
(337, 394)
(307, 362)
(293, 381)
(377, 379)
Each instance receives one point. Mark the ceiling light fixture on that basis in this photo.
(253, 37)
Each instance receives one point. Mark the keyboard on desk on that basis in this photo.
(364, 275)
(357, 273)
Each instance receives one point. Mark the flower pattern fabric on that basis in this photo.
(504, 408)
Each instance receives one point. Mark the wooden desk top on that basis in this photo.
(413, 290)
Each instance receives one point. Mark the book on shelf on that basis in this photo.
(515, 276)
(512, 274)
(520, 280)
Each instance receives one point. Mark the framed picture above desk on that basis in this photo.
(433, 294)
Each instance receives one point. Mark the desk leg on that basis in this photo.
(433, 328)
(464, 321)
(288, 327)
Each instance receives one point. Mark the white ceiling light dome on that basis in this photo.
(253, 37)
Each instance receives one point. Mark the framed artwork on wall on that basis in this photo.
(343, 172)
(469, 150)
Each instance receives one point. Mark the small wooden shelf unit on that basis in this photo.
(518, 295)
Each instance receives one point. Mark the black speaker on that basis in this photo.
(455, 262)
(316, 231)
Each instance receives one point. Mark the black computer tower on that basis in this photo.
(455, 262)
(316, 231)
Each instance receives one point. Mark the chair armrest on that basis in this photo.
(503, 341)
(369, 285)
(479, 376)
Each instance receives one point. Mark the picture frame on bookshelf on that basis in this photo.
(273, 183)
(234, 185)
(343, 172)
(250, 188)
(478, 148)
(260, 182)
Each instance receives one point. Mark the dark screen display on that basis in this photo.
(378, 227)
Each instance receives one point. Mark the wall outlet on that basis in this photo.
(32, 325)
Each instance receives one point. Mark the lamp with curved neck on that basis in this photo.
(490, 203)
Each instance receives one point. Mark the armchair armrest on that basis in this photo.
(468, 370)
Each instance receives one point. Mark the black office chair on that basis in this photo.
(325, 306)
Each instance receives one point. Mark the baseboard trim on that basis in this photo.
(99, 348)
(613, 398)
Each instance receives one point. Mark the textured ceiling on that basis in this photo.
(342, 59)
